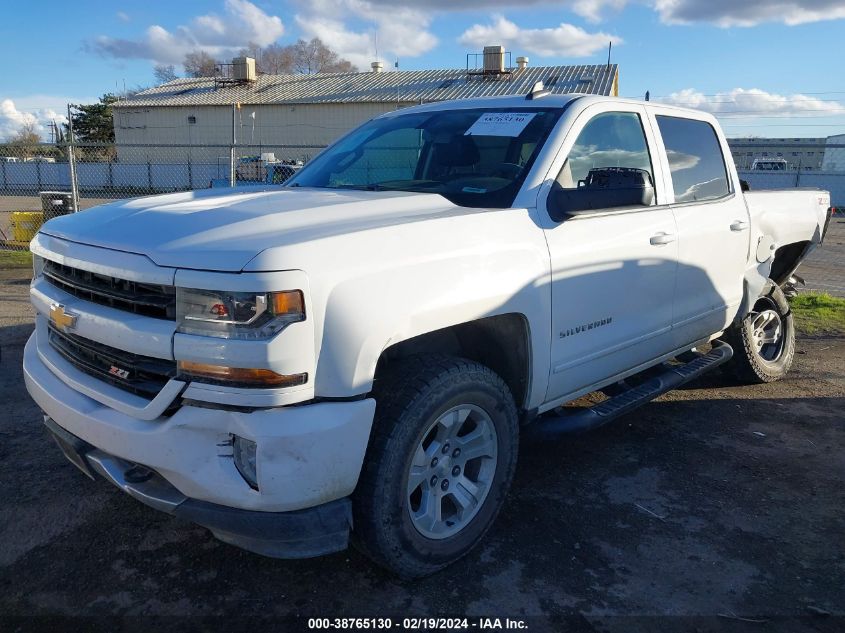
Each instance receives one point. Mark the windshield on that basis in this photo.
(474, 158)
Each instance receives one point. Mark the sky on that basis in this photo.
(770, 68)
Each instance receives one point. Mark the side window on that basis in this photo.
(695, 159)
(612, 139)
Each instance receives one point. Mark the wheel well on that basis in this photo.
(500, 342)
(786, 260)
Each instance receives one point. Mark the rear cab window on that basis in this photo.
(696, 163)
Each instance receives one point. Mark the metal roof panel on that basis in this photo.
(406, 86)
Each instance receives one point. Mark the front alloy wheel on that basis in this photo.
(452, 471)
(441, 457)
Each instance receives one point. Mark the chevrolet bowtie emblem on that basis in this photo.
(61, 318)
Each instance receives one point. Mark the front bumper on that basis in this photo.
(299, 534)
(307, 455)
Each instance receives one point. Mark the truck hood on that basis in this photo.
(210, 230)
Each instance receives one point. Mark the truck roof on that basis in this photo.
(542, 102)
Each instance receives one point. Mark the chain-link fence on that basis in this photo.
(38, 182)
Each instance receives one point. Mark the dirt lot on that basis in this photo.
(711, 504)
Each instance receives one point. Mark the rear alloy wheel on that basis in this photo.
(764, 341)
(441, 458)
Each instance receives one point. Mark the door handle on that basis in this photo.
(739, 225)
(661, 239)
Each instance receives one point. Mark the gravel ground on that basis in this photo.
(713, 503)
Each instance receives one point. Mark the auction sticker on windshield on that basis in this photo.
(500, 124)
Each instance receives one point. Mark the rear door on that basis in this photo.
(712, 224)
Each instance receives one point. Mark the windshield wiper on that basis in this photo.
(369, 187)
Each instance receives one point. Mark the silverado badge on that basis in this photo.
(61, 318)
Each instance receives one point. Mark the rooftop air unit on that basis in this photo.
(243, 69)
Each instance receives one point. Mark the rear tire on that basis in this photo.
(441, 458)
(764, 341)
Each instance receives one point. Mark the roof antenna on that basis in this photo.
(609, 49)
(538, 90)
(647, 95)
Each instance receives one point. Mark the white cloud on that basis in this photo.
(565, 40)
(401, 31)
(14, 116)
(728, 13)
(741, 102)
(720, 12)
(589, 9)
(123, 17)
(242, 23)
(594, 10)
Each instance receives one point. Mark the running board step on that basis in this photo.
(593, 417)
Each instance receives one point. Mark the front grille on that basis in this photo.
(150, 300)
(142, 375)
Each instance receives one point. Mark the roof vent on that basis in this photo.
(377, 67)
(521, 63)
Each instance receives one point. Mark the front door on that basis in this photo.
(613, 271)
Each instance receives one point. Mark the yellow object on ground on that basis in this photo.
(25, 225)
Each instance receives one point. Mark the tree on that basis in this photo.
(163, 73)
(316, 57)
(301, 57)
(24, 143)
(94, 123)
(271, 60)
(199, 64)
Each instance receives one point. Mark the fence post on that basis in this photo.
(71, 161)
(190, 172)
(232, 174)
(149, 175)
(38, 173)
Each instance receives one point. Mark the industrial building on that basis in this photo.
(804, 154)
(834, 153)
(293, 116)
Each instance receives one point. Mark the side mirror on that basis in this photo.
(605, 188)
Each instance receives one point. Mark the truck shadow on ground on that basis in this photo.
(699, 503)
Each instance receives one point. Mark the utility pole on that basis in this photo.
(71, 159)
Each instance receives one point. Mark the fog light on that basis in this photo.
(245, 451)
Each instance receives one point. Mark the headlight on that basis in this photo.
(238, 315)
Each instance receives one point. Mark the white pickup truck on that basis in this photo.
(355, 354)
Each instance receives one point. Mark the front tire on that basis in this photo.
(764, 341)
(441, 458)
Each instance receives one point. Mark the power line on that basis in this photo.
(725, 94)
(786, 125)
